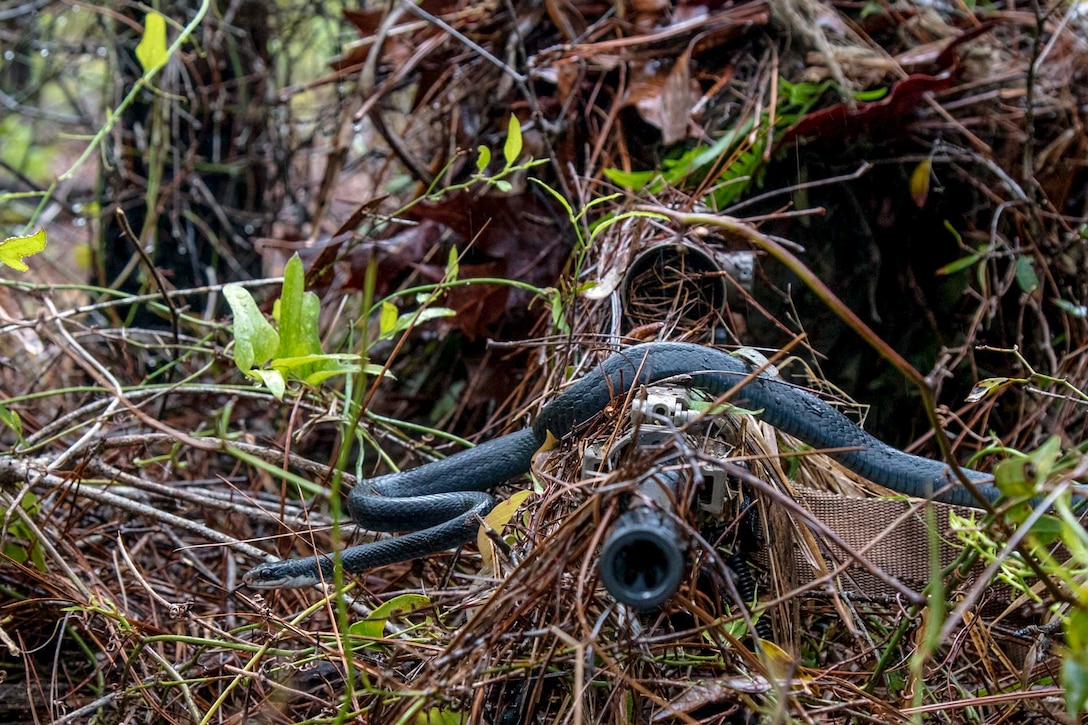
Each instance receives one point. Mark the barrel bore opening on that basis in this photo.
(674, 282)
(642, 566)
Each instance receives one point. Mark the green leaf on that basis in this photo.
(598, 201)
(411, 319)
(803, 95)
(1069, 308)
(255, 340)
(13, 249)
(272, 379)
(483, 158)
(1025, 274)
(453, 266)
(289, 363)
(1021, 476)
(701, 156)
(374, 625)
(1075, 630)
(991, 386)
(874, 94)
(293, 338)
(960, 264)
(316, 378)
(312, 370)
(311, 325)
(374, 370)
(437, 716)
(387, 320)
(954, 232)
(1045, 456)
(503, 185)
(1075, 682)
(512, 148)
(586, 286)
(31, 503)
(390, 324)
(19, 529)
(739, 175)
(633, 180)
(151, 52)
(870, 9)
(22, 148)
(1013, 477)
(11, 419)
(559, 317)
(1047, 530)
(557, 196)
(15, 552)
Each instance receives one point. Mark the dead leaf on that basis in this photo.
(498, 519)
(887, 115)
(665, 100)
(711, 692)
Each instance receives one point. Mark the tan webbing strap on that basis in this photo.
(891, 535)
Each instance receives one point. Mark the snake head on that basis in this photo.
(280, 575)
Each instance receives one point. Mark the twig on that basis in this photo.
(464, 40)
(125, 300)
(34, 471)
(861, 171)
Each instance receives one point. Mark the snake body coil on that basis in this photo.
(440, 502)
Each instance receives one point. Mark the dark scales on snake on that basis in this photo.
(440, 502)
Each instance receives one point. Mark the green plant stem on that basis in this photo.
(255, 660)
(439, 286)
(123, 298)
(1034, 376)
(358, 390)
(418, 428)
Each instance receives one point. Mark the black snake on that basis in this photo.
(441, 502)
